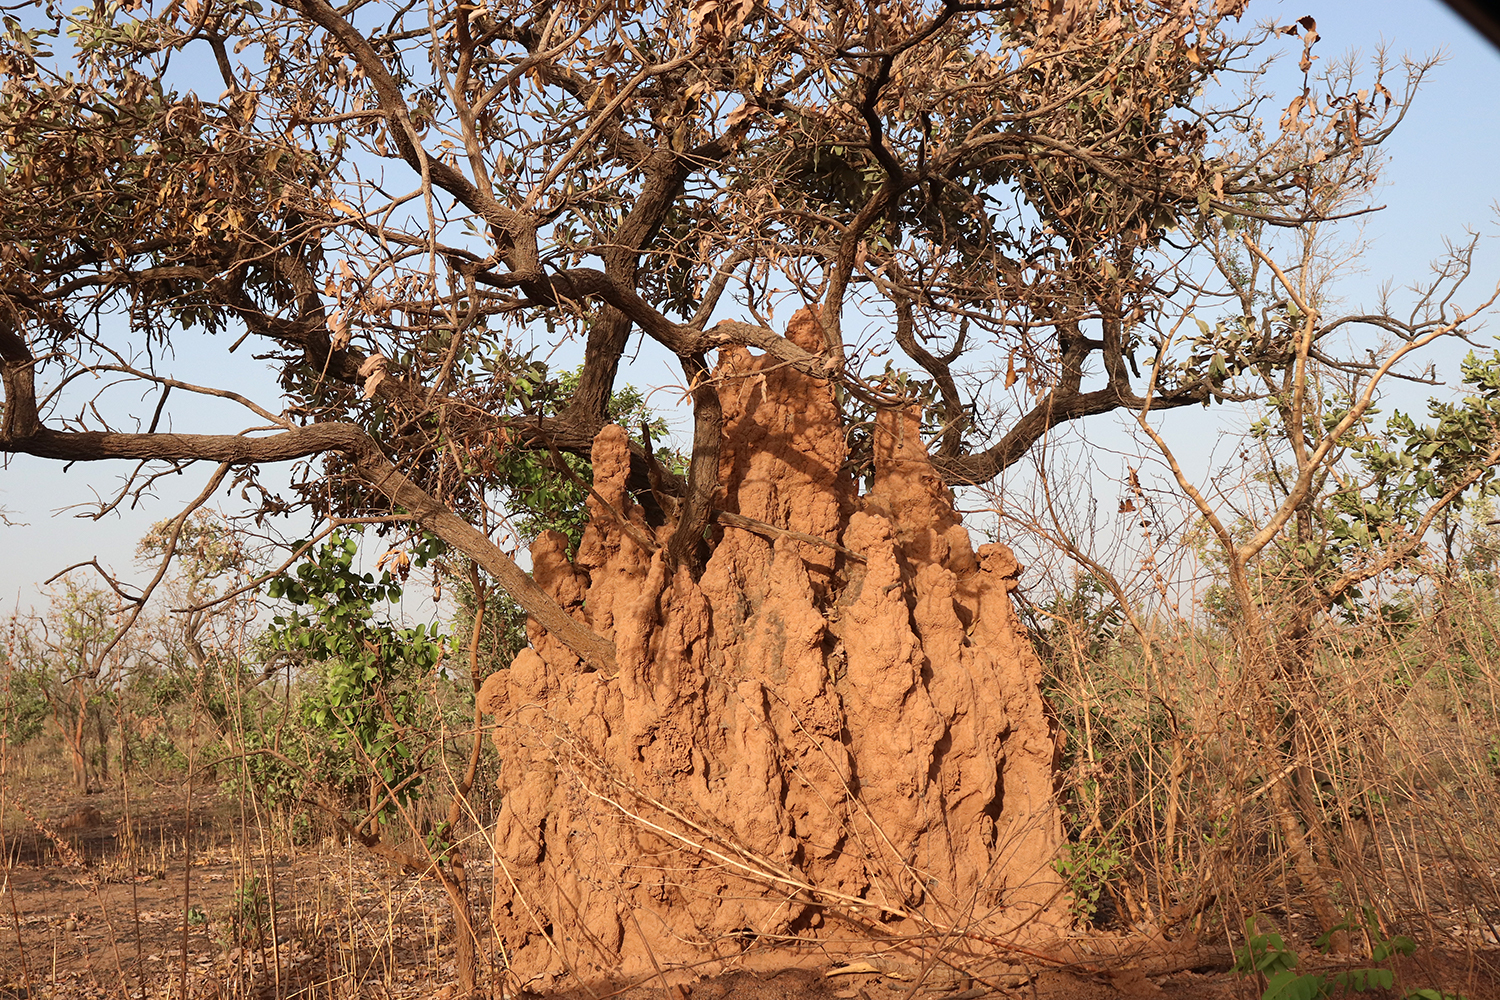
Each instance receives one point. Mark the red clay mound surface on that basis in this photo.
(835, 734)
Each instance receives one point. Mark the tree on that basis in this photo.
(369, 693)
(74, 658)
(1341, 500)
(970, 172)
(388, 200)
(195, 640)
(23, 703)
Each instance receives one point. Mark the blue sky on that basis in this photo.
(1443, 174)
(1443, 177)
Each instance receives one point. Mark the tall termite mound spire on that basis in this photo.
(812, 741)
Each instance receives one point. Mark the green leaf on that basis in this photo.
(1288, 985)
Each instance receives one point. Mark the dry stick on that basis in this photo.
(651, 954)
(135, 896)
(620, 990)
(170, 545)
(759, 868)
(748, 863)
(114, 941)
(5, 849)
(459, 892)
(354, 917)
(267, 846)
(15, 914)
(59, 843)
(71, 857)
(1061, 538)
(771, 531)
(481, 834)
(15, 917)
(255, 584)
(1239, 555)
(456, 891)
(536, 919)
(187, 859)
(237, 922)
(273, 901)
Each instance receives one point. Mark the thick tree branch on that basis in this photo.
(1056, 409)
(703, 473)
(17, 374)
(372, 466)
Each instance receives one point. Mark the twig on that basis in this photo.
(771, 531)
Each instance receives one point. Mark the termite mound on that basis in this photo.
(809, 743)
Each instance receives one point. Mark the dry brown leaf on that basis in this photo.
(338, 327)
(373, 372)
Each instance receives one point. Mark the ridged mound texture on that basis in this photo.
(808, 748)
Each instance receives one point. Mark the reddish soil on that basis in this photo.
(1476, 977)
(349, 926)
(99, 910)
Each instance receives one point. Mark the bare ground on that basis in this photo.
(101, 894)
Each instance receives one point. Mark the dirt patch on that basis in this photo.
(347, 925)
(105, 908)
(1475, 976)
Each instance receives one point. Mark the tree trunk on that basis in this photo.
(76, 753)
(1267, 658)
(101, 732)
(456, 883)
(77, 733)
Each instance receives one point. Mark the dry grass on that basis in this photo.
(106, 908)
(1390, 747)
(216, 887)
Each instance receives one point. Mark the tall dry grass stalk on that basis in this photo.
(1388, 753)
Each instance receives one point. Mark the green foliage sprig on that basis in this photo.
(1087, 866)
(1267, 954)
(23, 704)
(369, 695)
